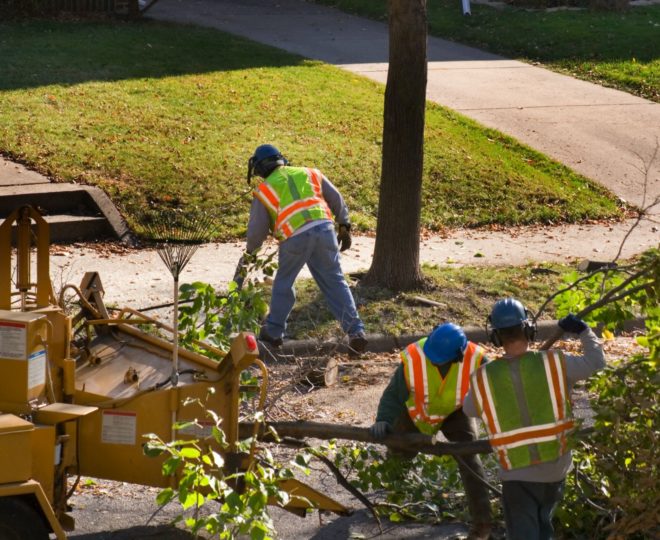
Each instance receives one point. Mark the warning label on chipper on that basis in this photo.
(37, 369)
(118, 427)
(12, 340)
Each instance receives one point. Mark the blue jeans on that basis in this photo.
(317, 247)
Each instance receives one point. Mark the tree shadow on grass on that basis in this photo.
(39, 53)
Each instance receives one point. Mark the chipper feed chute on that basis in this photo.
(77, 393)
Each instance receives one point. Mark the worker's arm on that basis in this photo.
(335, 202)
(593, 359)
(393, 401)
(258, 226)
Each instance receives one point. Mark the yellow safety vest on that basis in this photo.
(293, 197)
(432, 398)
(525, 406)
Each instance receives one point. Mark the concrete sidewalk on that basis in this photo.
(138, 278)
(601, 133)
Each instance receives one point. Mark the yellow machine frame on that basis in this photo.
(81, 406)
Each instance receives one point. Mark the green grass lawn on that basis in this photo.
(468, 294)
(164, 115)
(621, 50)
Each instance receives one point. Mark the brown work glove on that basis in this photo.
(344, 237)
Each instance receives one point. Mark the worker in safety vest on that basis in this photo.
(426, 393)
(298, 205)
(523, 400)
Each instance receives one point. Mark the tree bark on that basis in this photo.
(415, 442)
(395, 264)
(133, 9)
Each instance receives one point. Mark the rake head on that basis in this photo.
(178, 235)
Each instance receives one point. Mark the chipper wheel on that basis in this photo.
(20, 521)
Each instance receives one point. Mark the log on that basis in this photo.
(320, 372)
(408, 442)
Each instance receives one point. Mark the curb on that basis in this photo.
(380, 343)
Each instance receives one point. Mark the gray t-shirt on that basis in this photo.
(577, 368)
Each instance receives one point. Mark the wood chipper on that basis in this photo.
(77, 392)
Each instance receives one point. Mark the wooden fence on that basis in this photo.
(131, 7)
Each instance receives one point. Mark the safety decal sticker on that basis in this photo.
(12, 340)
(37, 368)
(119, 427)
(200, 429)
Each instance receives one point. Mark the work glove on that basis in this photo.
(572, 324)
(240, 273)
(380, 429)
(344, 237)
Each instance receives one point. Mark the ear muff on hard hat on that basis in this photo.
(509, 313)
(446, 343)
(264, 160)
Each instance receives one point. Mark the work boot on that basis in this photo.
(479, 531)
(357, 344)
(275, 342)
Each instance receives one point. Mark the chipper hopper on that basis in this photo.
(78, 392)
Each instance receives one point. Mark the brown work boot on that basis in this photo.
(357, 344)
(479, 531)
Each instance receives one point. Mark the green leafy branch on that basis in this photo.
(213, 317)
(421, 488)
(614, 490)
(226, 502)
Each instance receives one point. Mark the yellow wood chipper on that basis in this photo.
(78, 392)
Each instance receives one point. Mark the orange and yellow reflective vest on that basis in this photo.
(293, 197)
(432, 397)
(525, 406)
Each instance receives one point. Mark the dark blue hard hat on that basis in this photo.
(507, 313)
(265, 151)
(446, 343)
(265, 158)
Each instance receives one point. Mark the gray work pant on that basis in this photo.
(528, 508)
(459, 428)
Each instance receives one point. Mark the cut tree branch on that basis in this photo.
(609, 297)
(416, 442)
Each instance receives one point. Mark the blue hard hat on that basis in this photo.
(265, 158)
(265, 151)
(445, 343)
(507, 313)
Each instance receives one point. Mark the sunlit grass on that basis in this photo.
(164, 115)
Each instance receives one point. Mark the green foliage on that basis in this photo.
(613, 491)
(421, 488)
(214, 318)
(630, 291)
(217, 502)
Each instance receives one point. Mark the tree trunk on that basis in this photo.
(133, 9)
(395, 263)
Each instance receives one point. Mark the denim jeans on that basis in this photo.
(528, 508)
(317, 247)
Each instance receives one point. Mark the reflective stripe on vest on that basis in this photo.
(432, 398)
(525, 406)
(293, 196)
